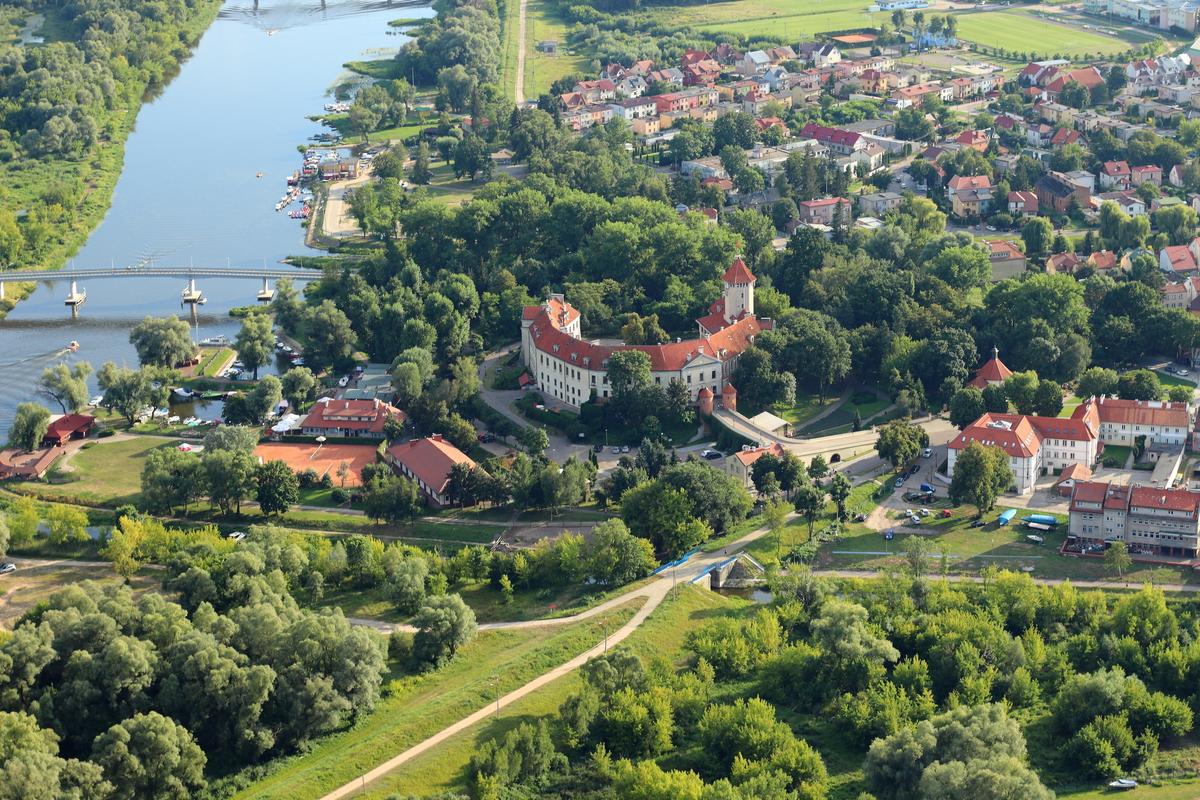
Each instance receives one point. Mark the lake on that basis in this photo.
(189, 192)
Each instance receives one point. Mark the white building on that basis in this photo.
(1123, 421)
(572, 369)
(1034, 445)
(1148, 519)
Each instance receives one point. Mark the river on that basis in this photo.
(188, 193)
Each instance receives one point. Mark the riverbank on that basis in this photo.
(25, 182)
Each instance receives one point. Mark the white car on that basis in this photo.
(927, 452)
(7, 568)
(237, 536)
(342, 381)
(1180, 371)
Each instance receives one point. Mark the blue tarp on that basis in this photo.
(1007, 516)
(1041, 519)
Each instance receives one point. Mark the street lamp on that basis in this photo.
(604, 628)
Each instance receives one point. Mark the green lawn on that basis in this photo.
(415, 707)
(509, 28)
(842, 420)
(805, 408)
(1117, 455)
(213, 360)
(1023, 31)
(661, 636)
(772, 18)
(104, 472)
(542, 69)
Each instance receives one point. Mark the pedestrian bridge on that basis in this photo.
(190, 294)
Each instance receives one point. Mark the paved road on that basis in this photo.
(653, 593)
(519, 89)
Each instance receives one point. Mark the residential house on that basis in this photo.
(826, 55)
(670, 75)
(837, 140)
(1115, 175)
(429, 463)
(974, 139)
(1177, 260)
(1022, 204)
(879, 203)
(1127, 201)
(824, 210)
(349, 419)
(1055, 193)
(1150, 173)
(701, 73)
(970, 195)
(596, 91)
(1125, 422)
(632, 86)
(1065, 136)
(1102, 260)
(1065, 263)
(634, 108)
(740, 465)
(754, 62)
(1007, 260)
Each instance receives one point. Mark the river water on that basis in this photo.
(188, 193)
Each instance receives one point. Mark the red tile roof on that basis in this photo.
(748, 457)
(1180, 258)
(833, 135)
(959, 182)
(1003, 250)
(1116, 168)
(1137, 412)
(738, 272)
(1012, 433)
(429, 459)
(1075, 472)
(67, 426)
(992, 371)
(1151, 497)
(351, 415)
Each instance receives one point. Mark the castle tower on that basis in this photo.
(739, 291)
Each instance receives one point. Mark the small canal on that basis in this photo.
(190, 193)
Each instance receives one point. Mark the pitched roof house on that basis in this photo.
(428, 462)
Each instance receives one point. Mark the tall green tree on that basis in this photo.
(255, 342)
(66, 385)
(981, 473)
(162, 341)
(28, 426)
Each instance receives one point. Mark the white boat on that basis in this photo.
(1123, 784)
(215, 341)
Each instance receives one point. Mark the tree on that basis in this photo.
(995, 398)
(234, 438)
(808, 501)
(1139, 384)
(126, 391)
(916, 553)
(23, 520)
(1117, 558)
(839, 492)
(66, 524)
(900, 441)
(1097, 381)
(330, 335)
(613, 556)
(277, 488)
(981, 473)
(162, 341)
(391, 498)
(1048, 399)
(29, 425)
(444, 624)
(420, 173)
(962, 267)
(171, 479)
(966, 406)
(534, 440)
(5, 537)
(255, 342)
(297, 385)
(1037, 234)
(150, 757)
(1021, 389)
(31, 768)
(229, 476)
(67, 386)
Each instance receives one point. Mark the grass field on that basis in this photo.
(542, 69)
(106, 472)
(417, 706)
(510, 11)
(660, 636)
(775, 18)
(1022, 31)
(213, 360)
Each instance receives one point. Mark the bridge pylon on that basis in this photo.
(265, 295)
(191, 294)
(77, 297)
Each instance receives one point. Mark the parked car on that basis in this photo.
(711, 455)
(7, 568)
(616, 450)
(342, 381)
(624, 448)
(927, 452)
(899, 481)
(598, 448)
(946, 513)
(1180, 371)
(485, 437)
(860, 517)
(978, 523)
(237, 536)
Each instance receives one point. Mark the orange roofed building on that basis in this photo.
(572, 369)
(349, 419)
(428, 463)
(1149, 519)
(991, 373)
(740, 465)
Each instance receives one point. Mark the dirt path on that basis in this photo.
(519, 89)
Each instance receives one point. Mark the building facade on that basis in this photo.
(573, 370)
(1151, 521)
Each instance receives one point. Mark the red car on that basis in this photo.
(946, 513)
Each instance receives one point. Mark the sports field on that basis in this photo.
(783, 18)
(1023, 31)
(325, 459)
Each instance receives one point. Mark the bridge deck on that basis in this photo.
(158, 272)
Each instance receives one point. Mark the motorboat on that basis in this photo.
(73, 346)
(1123, 784)
(215, 341)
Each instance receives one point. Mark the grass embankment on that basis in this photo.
(214, 361)
(24, 180)
(418, 706)
(510, 16)
(660, 636)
